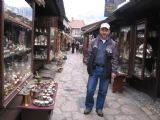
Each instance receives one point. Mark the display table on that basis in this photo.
(118, 82)
(32, 112)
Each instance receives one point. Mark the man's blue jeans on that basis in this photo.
(91, 87)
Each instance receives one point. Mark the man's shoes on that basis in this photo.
(87, 111)
(99, 112)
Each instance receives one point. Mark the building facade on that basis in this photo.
(76, 26)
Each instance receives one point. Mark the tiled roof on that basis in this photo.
(77, 23)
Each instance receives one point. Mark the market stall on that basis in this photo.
(15, 57)
(38, 99)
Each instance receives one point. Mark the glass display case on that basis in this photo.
(53, 39)
(41, 43)
(153, 42)
(44, 43)
(124, 49)
(143, 52)
(16, 51)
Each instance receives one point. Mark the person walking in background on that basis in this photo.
(77, 46)
(68, 46)
(73, 46)
(102, 65)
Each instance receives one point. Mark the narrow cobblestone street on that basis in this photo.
(71, 94)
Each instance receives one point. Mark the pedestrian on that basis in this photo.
(102, 65)
(73, 46)
(77, 46)
(68, 45)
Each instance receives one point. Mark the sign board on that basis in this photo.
(109, 8)
(111, 5)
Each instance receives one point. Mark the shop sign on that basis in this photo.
(111, 5)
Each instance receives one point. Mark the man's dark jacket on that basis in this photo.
(111, 57)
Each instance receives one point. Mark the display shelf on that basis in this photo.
(145, 51)
(16, 90)
(31, 106)
(39, 94)
(140, 52)
(16, 53)
(124, 47)
(35, 98)
(41, 33)
(39, 59)
(46, 41)
(40, 45)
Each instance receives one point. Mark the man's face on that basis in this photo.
(104, 32)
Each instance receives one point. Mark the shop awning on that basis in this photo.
(48, 7)
(135, 9)
(91, 27)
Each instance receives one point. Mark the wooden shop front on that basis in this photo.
(15, 57)
(136, 29)
(23, 41)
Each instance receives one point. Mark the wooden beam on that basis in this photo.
(1, 52)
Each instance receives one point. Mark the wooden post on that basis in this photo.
(32, 42)
(1, 52)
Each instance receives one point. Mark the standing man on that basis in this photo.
(102, 65)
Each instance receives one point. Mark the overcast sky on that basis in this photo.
(88, 10)
(17, 3)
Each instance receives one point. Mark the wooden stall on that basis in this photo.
(138, 41)
(15, 57)
(47, 29)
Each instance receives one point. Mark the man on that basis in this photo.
(77, 46)
(73, 46)
(68, 45)
(102, 65)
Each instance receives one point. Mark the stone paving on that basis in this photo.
(71, 94)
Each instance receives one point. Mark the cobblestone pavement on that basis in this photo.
(71, 94)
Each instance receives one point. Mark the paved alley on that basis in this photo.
(71, 94)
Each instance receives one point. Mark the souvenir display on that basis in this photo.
(40, 40)
(41, 54)
(139, 52)
(16, 52)
(42, 92)
(26, 101)
(124, 48)
(59, 59)
(144, 53)
(12, 79)
(17, 65)
(44, 44)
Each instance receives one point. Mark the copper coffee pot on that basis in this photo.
(26, 101)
